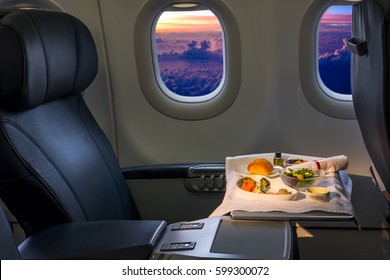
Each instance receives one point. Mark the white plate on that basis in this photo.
(272, 191)
(243, 171)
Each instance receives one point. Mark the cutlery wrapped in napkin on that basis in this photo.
(329, 165)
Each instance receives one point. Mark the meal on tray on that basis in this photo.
(256, 178)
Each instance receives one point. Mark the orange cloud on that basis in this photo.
(187, 22)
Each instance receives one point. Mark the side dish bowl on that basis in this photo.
(318, 193)
(301, 178)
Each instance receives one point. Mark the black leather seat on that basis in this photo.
(8, 248)
(57, 166)
(370, 44)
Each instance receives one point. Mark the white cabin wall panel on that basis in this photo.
(136, 119)
(98, 96)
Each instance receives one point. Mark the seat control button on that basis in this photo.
(187, 226)
(210, 182)
(220, 181)
(179, 246)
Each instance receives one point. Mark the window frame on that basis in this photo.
(319, 96)
(146, 67)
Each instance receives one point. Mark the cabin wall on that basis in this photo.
(99, 95)
(270, 113)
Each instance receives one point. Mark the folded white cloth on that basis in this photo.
(237, 199)
(329, 165)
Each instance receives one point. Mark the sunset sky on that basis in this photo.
(193, 21)
(338, 14)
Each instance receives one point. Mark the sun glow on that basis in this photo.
(193, 21)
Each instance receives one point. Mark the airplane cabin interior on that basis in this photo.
(97, 162)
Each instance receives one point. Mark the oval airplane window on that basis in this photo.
(188, 57)
(189, 54)
(324, 60)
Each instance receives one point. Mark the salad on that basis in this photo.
(301, 174)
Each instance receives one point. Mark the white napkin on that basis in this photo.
(329, 165)
(340, 187)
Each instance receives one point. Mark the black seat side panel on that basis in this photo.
(370, 82)
(8, 249)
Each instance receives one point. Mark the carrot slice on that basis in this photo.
(248, 186)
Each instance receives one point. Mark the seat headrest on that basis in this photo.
(44, 56)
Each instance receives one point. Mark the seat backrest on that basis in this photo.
(370, 45)
(56, 163)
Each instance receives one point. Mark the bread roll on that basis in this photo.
(260, 166)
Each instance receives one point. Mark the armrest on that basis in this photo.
(124, 239)
(169, 171)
